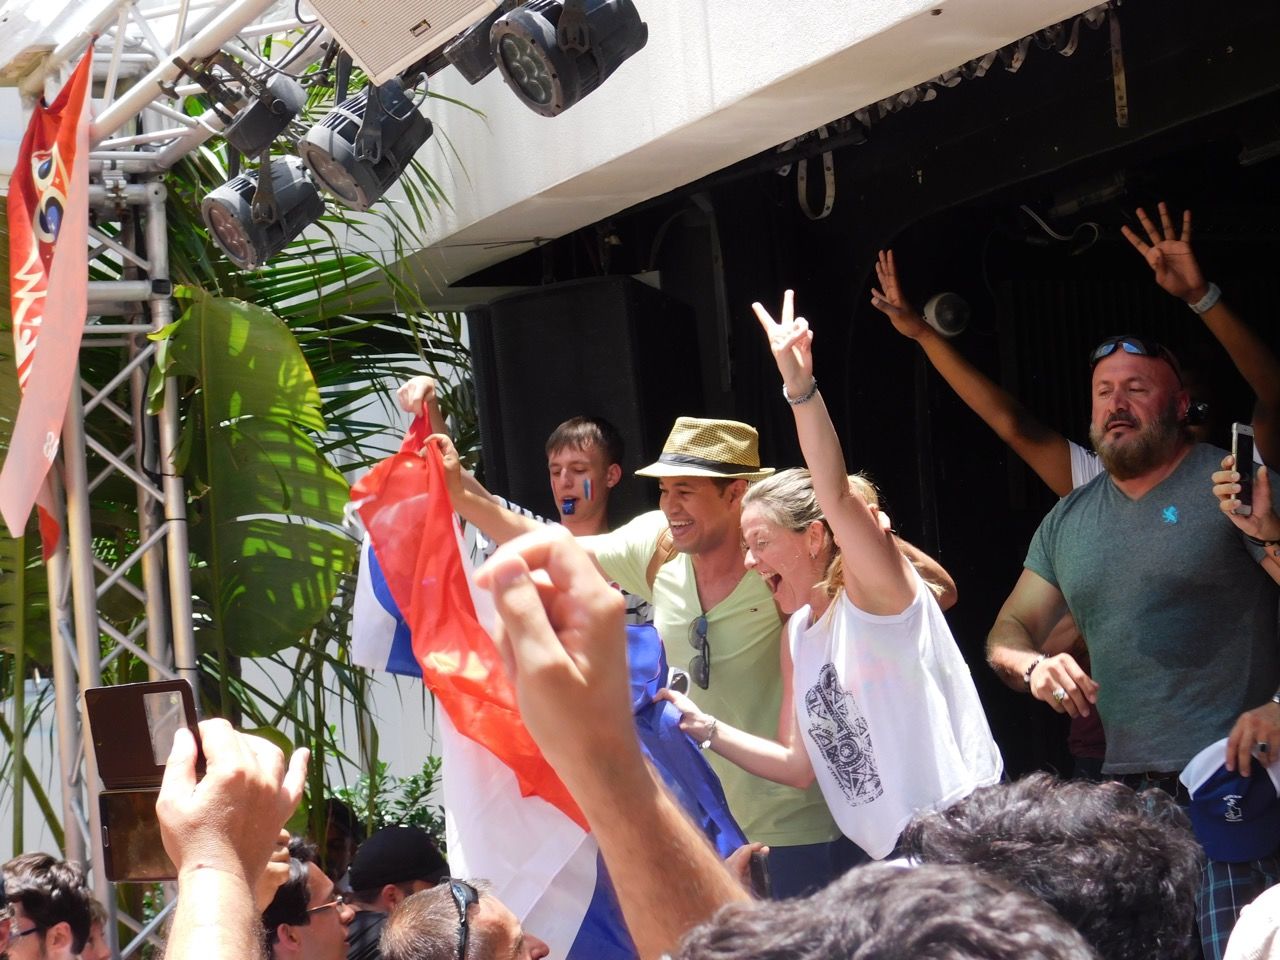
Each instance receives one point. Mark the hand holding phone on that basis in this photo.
(230, 819)
(761, 885)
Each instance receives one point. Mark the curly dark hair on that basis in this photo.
(888, 912)
(1120, 866)
(51, 891)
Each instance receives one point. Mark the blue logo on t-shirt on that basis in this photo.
(1169, 514)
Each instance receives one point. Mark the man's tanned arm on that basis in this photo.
(563, 641)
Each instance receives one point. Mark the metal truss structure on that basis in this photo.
(141, 130)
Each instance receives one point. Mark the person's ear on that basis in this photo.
(815, 538)
(391, 895)
(1184, 405)
(736, 491)
(58, 937)
(287, 939)
(613, 475)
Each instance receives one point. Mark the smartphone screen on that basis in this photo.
(1242, 450)
(131, 846)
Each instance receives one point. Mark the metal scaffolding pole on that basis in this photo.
(131, 597)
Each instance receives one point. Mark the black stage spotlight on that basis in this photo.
(361, 147)
(257, 125)
(249, 241)
(550, 73)
(470, 52)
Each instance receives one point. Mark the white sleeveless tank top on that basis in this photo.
(889, 714)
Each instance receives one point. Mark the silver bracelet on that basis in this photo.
(1208, 301)
(796, 401)
(710, 734)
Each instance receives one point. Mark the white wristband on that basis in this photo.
(1208, 301)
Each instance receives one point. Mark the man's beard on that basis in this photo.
(1154, 445)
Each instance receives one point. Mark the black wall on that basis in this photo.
(943, 182)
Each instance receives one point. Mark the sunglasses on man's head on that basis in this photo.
(464, 895)
(1136, 346)
(700, 665)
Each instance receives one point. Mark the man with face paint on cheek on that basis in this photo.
(584, 464)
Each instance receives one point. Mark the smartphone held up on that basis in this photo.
(1242, 451)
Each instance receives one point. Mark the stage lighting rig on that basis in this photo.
(362, 146)
(255, 127)
(252, 222)
(552, 53)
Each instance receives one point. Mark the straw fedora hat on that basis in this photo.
(709, 448)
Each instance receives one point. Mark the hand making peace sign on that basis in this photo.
(791, 342)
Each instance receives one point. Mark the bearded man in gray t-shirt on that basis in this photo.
(1180, 616)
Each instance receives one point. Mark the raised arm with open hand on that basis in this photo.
(1167, 251)
(1044, 450)
(877, 577)
(1177, 271)
(890, 300)
(220, 832)
(562, 638)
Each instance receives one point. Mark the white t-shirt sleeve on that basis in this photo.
(1085, 465)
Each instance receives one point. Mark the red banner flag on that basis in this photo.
(48, 234)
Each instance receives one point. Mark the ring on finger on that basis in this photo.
(1059, 694)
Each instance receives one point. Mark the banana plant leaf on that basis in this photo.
(267, 504)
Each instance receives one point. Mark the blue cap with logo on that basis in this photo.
(1235, 818)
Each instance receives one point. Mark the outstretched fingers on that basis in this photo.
(1153, 232)
(1137, 242)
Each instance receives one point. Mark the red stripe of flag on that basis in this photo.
(406, 510)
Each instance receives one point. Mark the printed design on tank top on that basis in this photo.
(839, 730)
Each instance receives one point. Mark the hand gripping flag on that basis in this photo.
(509, 819)
(48, 233)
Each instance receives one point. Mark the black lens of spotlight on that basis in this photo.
(329, 148)
(228, 215)
(548, 79)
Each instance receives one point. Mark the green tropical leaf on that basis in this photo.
(268, 504)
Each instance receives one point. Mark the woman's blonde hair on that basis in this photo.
(787, 499)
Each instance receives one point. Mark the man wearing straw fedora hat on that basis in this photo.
(718, 621)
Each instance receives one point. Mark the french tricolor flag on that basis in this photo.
(509, 819)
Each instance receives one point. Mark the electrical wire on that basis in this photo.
(1088, 224)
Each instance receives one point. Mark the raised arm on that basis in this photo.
(1168, 252)
(877, 576)
(1016, 648)
(419, 396)
(563, 643)
(1042, 449)
(219, 832)
(473, 502)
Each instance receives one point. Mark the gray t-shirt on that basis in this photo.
(1181, 619)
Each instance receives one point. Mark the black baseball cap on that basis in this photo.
(396, 855)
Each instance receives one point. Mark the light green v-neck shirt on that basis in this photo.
(743, 632)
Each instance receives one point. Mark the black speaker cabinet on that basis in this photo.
(610, 347)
